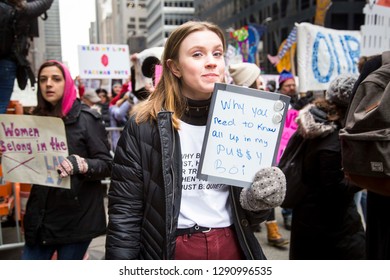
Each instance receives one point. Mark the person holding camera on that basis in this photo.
(17, 17)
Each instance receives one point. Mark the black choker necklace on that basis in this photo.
(197, 109)
(196, 112)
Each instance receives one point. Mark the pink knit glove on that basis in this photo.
(72, 164)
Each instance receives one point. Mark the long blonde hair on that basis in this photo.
(167, 95)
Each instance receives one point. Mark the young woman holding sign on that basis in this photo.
(66, 220)
(158, 209)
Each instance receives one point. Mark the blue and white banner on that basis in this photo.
(325, 53)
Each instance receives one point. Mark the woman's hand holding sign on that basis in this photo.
(267, 190)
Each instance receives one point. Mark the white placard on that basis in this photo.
(242, 135)
(32, 147)
(104, 61)
(325, 53)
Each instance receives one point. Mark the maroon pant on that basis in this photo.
(217, 244)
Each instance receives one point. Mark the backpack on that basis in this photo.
(291, 163)
(365, 139)
(7, 28)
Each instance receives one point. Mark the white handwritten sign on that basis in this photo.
(242, 134)
(325, 53)
(32, 147)
(104, 61)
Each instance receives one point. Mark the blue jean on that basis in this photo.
(361, 201)
(73, 251)
(286, 212)
(7, 80)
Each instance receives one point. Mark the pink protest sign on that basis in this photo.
(157, 74)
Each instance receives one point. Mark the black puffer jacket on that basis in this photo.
(145, 195)
(58, 216)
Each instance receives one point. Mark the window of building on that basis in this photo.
(283, 8)
(305, 4)
(358, 20)
(275, 11)
(339, 21)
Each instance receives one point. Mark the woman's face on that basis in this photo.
(103, 97)
(52, 84)
(117, 89)
(201, 64)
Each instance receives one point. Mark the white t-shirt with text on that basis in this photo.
(203, 203)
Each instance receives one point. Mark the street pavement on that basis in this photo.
(97, 247)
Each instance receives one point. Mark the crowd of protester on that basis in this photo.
(138, 139)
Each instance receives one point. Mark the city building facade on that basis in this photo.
(163, 16)
(376, 28)
(279, 16)
(120, 22)
(47, 43)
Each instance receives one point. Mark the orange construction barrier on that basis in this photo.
(7, 200)
(15, 107)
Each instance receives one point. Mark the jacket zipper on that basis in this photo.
(173, 177)
(239, 224)
(166, 252)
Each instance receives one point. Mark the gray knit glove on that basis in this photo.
(267, 191)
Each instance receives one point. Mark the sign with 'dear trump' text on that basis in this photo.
(243, 133)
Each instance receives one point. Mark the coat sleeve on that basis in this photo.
(254, 218)
(98, 157)
(36, 8)
(125, 198)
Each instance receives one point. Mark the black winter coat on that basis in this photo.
(24, 19)
(145, 196)
(61, 216)
(325, 224)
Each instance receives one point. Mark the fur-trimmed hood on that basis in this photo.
(309, 128)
